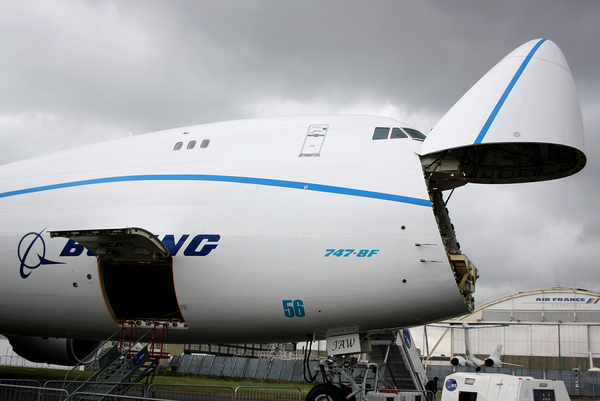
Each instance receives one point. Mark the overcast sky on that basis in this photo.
(79, 72)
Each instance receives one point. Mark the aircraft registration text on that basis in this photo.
(351, 252)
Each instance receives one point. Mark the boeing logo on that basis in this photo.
(32, 249)
(199, 245)
(32, 253)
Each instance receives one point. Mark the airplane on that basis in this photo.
(590, 355)
(471, 360)
(592, 367)
(272, 230)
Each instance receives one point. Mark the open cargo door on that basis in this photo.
(136, 272)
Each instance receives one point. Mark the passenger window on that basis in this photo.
(191, 145)
(204, 143)
(178, 146)
(381, 133)
(415, 134)
(397, 133)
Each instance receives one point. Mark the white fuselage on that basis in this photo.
(279, 220)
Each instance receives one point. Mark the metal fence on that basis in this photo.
(21, 382)
(104, 397)
(130, 389)
(14, 392)
(241, 367)
(244, 393)
(223, 393)
(190, 392)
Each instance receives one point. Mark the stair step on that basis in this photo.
(125, 365)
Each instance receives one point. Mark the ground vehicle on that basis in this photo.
(465, 386)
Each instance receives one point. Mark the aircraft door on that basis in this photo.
(314, 140)
(136, 273)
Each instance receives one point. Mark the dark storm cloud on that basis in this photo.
(79, 72)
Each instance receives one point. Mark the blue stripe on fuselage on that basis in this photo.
(225, 178)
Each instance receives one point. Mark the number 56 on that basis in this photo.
(296, 309)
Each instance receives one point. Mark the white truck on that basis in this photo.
(465, 386)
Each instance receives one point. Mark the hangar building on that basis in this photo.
(552, 328)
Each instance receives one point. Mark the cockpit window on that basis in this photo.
(381, 133)
(397, 133)
(384, 133)
(415, 134)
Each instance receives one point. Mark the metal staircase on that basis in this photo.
(130, 360)
(397, 355)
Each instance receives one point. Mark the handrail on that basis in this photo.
(139, 341)
(161, 341)
(117, 372)
(95, 353)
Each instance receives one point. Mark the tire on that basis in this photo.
(326, 392)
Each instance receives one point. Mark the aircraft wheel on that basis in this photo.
(326, 392)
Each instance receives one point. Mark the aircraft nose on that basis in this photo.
(524, 112)
(547, 51)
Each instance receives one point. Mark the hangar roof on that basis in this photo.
(554, 304)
